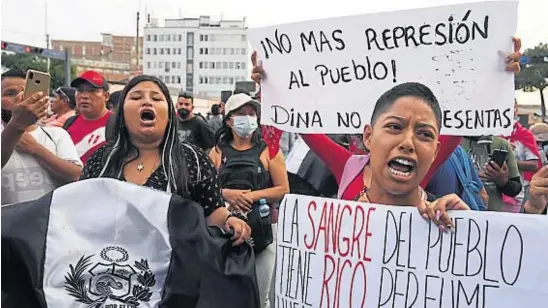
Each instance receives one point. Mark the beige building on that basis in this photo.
(115, 56)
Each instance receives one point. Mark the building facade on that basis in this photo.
(115, 56)
(197, 55)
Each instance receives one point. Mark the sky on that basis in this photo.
(25, 21)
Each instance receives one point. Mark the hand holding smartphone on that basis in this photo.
(499, 156)
(35, 82)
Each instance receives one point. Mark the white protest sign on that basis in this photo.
(334, 253)
(324, 76)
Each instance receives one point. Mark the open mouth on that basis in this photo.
(402, 167)
(147, 115)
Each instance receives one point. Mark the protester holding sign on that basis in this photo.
(147, 152)
(340, 160)
(252, 182)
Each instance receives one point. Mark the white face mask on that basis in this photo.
(244, 126)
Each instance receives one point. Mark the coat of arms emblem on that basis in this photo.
(113, 281)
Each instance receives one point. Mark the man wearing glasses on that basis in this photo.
(87, 128)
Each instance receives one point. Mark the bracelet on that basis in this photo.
(238, 214)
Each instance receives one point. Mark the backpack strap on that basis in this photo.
(470, 188)
(353, 167)
(69, 122)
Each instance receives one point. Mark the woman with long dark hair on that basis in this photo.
(145, 151)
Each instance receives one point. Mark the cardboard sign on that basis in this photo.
(335, 253)
(325, 76)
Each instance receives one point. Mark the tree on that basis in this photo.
(534, 76)
(26, 61)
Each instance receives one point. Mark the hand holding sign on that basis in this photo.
(437, 211)
(513, 58)
(258, 73)
(538, 192)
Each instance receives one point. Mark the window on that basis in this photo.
(190, 52)
(218, 80)
(161, 51)
(168, 51)
(167, 69)
(212, 51)
(160, 64)
(206, 37)
(211, 65)
(231, 65)
(155, 51)
(244, 51)
(190, 38)
(149, 65)
(179, 37)
(210, 79)
(148, 51)
(179, 79)
(237, 51)
(201, 37)
(244, 38)
(174, 51)
(212, 37)
(238, 65)
(243, 65)
(174, 37)
(200, 80)
(168, 37)
(189, 82)
(189, 67)
(225, 65)
(161, 38)
(201, 51)
(231, 51)
(225, 51)
(236, 79)
(173, 64)
(148, 37)
(218, 65)
(166, 79)
(230, 80)
(225, 79)
(179, 65)
(219, 51)
(154, 37)
(201, 64)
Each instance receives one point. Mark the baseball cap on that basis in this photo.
(238, 100)
(91, 77)
(540, 130)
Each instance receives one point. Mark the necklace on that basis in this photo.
(141, 165)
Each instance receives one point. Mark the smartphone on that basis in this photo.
(499, 156)
(36, 82)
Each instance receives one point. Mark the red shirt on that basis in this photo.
(88, 135)
(335, 157)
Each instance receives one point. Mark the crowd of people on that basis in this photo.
(139, 135)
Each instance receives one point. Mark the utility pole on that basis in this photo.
(47, 34)
(137, 42)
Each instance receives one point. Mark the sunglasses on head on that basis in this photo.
(62, 93)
